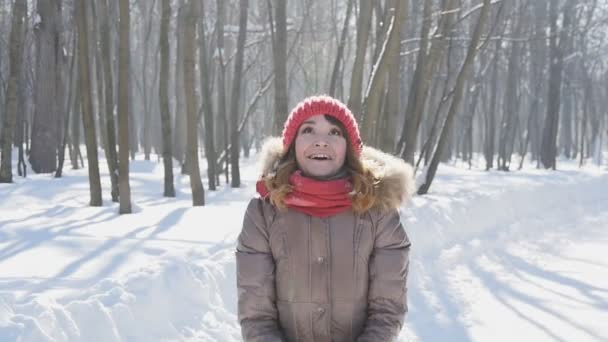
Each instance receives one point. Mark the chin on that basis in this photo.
(320, 173)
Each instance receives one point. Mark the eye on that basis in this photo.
(306, 130)
(336, 132)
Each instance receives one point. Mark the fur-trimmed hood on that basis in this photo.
(395, 177)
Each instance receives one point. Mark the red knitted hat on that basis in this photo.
(322, 104)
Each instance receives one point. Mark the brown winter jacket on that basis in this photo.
(341, 278)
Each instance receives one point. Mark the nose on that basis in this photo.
(321, 143)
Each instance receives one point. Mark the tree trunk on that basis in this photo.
(111, 154)
(356, 81)
(375, 91)
(222, 122)
(490, 131)
(510, 105)
(236, 95)
(426, 65)
(279, 49)
(62, 91)
(133, 133)
(9, 119)
(430, 142)
(77, 116)
(163, 90)
(147, 110)
(43, 153)
(458, 92)
(339, 55)
(21, 136)
(468, 150)
(198, 194)
(589, 108)
(87, 104)
(569, 91)
(180, 127)
(250, 107)
(95, 53)
(206, 80)
(60, 83)
(567, 110)
(21, 127)
(548, 146)
(124, 61)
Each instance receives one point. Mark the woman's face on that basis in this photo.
(320, 147)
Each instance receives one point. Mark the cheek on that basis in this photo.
(340, 150)
(300, 148)
(303, 142)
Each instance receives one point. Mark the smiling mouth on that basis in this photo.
(319, 156)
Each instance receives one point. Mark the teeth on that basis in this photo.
(319, 156)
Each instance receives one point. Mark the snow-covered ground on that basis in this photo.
(496, 256)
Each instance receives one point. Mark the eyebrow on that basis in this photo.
(311, 122)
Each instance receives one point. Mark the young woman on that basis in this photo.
(322, 255)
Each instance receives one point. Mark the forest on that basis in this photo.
(491, 83)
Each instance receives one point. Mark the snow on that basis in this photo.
(495, 255)
(514, 255)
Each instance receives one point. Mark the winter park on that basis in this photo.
(344, 170)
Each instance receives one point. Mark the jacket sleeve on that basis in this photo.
(388, 269)
(255, 266)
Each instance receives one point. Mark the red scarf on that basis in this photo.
(315, 197)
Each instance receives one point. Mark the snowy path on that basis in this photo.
(495, 256)
(542, 278)
(538, 289)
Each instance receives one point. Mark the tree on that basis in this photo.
(236, 95)
(163, 96)
(45, 135)
(548, 151)
(392, 96)
(205, 80)
(426, 66)
(106, 52)
(221, 80)
(356, 81)
(61, 83)
(87, 104)
(375, 92)
(458, 92)
(76, 121)
(279, 49)
(490, 114)
(337, 69)
(198, 193)
(16, 59)
(146, 8)
(510, 119)
(124, 51)
(179, 126)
